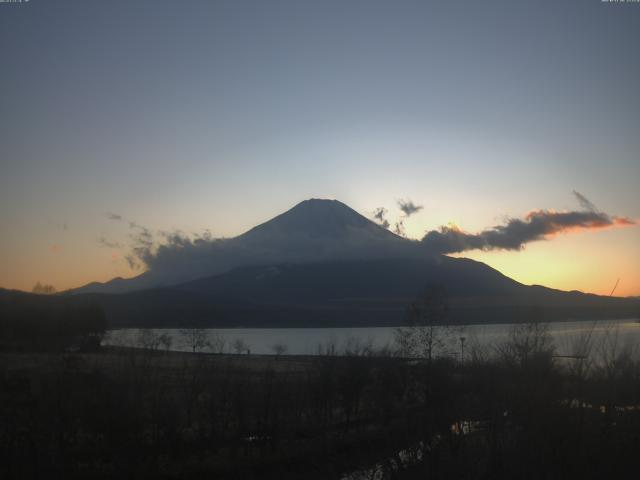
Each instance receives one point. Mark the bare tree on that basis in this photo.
(148, 339)
(165, 340)
(195, 338)
(43, 289)
(279, 349)
(327, 349)
(217, 342)
(239, 346)
(428, 331)
(527, 342)
(356, 347)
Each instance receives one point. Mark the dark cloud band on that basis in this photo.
(516, 233)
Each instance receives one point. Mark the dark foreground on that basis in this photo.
(138, 414)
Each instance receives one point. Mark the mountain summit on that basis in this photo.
(315, 230)
(321, 263)
(322, 230)
(319, 218)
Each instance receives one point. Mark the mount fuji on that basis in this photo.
(321, 263)
(314, 230)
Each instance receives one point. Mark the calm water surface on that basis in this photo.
(309, 341)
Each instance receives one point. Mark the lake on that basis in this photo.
(310, 341)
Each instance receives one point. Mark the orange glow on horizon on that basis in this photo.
(588, 263)
(618, 222)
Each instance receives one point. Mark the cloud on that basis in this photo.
(584, 202)
(516, 233)
(108, 243)
(179, 256)
(148, 251)
(140, 242)
(173, 257)
(408, 208)
(142, 247)
(132, 261)
(379, 214)
(55, 248)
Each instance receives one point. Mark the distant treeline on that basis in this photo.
(49, 323)
(171, 308)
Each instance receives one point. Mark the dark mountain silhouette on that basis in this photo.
(314, 230)
(319, 219)
(351, 293)
(365, 280)
(322, 263)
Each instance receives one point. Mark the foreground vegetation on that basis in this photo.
(511, 412)
(72, 409)
(37, 323)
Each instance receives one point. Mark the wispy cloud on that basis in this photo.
(104, 242)
(584, 202)
(183, 255)
(408, 208)
(379, 215)
(516, 233)
(140, 243)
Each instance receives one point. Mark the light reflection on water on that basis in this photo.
(311, 341)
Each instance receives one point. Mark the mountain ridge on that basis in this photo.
(312, 230)
(348, 294)
(321, 263)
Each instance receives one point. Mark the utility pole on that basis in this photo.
(462, 340)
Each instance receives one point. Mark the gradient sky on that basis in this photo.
(216, 115)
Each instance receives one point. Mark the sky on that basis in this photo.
(215, 116)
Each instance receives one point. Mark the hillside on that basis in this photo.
(322, 263)
(314, 230)
(357, 293)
